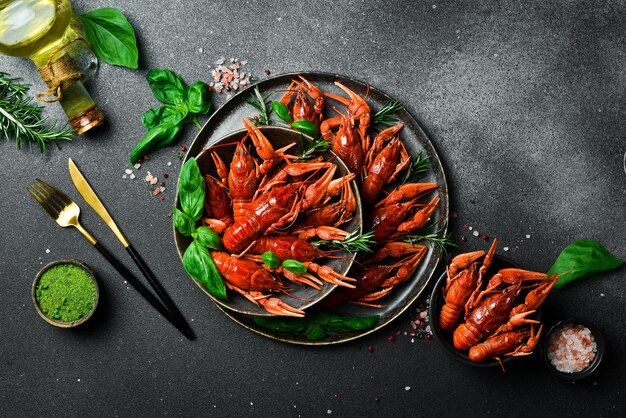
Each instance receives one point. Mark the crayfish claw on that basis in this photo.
(278, 307)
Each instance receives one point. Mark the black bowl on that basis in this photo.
(444, 338)
(595, 363)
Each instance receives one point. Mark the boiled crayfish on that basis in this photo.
(491, 322)
(270, 203)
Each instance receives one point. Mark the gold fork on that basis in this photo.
(66, 212)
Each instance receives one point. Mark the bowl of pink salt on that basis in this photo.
(573, 349)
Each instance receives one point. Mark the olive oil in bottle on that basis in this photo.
(47, 32)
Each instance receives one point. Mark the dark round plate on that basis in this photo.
(444, 338)
(299, 297)
(227, 119)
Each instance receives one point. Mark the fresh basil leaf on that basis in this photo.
(207, 238)
(294, 266)
(270, 259)
(583, 259)
(167, 86)
(191, 188)
(166, 114)
(199, 98)
(305, 126)
(282, 324)
(111, 37)
(199, 264)
(315, 332)
(183, 223)
(337, 323)
(281, 111)
(155, 138)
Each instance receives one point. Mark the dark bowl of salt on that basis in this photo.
(573, 349)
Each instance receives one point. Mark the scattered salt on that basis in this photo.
(128, 171)
(475, 233)
(407, 388)
(137, 166)
(527, 236)
(506, 248)
(132, 176)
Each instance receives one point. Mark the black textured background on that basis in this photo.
(524, 101)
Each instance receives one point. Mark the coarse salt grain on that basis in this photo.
(571, 348)
(527, 236)
(475, 233)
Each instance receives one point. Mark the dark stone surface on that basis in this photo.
(524, 102)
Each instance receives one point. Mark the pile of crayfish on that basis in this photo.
(391, 207)
(494, 321)
(267, 202)
(272, 202)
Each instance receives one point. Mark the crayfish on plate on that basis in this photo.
(263, 200)
(393, 207)
(493, 321)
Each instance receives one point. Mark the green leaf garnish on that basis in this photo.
(317, 325)
(420, 164)
(270, 259)
(353, 243)
(383, 118)
(199, 264)
(111, 37)
(294, 266)
(311, 148)
(261, 104)
(583, 259)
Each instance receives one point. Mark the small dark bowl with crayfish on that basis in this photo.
(484, 309)
(261, 199)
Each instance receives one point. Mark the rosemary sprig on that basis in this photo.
(261, 104)
(309, 149)
(353, 243)
(21, 121)
(383, 118)
(420, 164)
(435, 238)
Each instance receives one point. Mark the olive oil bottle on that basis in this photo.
(47, 32)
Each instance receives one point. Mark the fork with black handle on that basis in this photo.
(66, 212)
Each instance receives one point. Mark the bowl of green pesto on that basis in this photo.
(66, 293)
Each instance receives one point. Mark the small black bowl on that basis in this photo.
(595, 363)
(444, 338)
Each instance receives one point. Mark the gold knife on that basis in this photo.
(92, 199)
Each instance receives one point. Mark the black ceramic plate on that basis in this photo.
(228, 119)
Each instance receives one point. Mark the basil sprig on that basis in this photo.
(197, 259)
(181, 105)
(317, 325)
(111, 37)
(583, 259)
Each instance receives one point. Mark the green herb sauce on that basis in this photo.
(66, 293)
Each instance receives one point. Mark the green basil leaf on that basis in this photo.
(199, 98)
(281, 111)
(207, 238)
(166, 114)
(337, 323)
(111, 37)
(270, 259)
(305, 126)
(183, 223)
(315, 332)
(155, 138)
(282, 324)
(294, 266)
(167, 86)
(199, 264)
(583, 259)
(191, 188)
